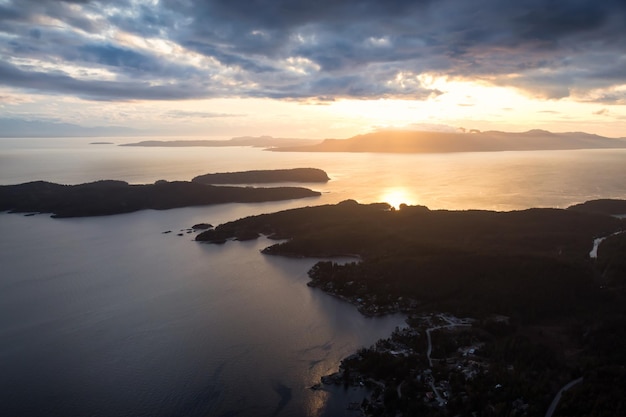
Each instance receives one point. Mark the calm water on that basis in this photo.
(109, 317)
(490, 180)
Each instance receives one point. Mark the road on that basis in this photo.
(557, 397)
(593, 254)
(430, 349)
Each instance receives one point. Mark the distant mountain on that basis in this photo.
(257, 142)
(442, 142)
(22, 128)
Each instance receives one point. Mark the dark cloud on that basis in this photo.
(304, 50)
(59, 83)
(287, 15)
(134, 64)
(614, 97)
(552, 20)
(118, 57)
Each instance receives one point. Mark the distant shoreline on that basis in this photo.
(247, 141)
(399, 141)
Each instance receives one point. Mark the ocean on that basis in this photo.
(109, 316)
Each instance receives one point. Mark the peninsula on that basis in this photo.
(504, 308)
(115, 197)
(409, 141)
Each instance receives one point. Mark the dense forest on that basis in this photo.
(529, 263)
(114, 197)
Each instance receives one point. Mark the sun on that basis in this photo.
(396, 197)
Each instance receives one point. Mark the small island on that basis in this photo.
(115, 197)
(265, 176)
(505, 309)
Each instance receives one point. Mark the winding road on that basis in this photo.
(440, 399)
(596, 244)
(557, 397)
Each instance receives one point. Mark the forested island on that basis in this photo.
(505, 308)
(114, 197)
(264, 176)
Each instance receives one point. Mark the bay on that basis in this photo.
(109, 316)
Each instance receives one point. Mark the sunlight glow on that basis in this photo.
(474, 104)
(397, 196)
(302, 66)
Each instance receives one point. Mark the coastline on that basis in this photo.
(107, 197)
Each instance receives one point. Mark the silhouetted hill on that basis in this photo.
(603, 206)
(264, 176)
(114, 197)
(441, 142)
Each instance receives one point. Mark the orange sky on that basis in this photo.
(220, 69)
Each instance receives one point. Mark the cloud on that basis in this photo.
(59, 83)
(14, 99)
(607, 113)
(18, 127)
(181, 114)
(184, 49)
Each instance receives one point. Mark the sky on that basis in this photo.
(313, 69)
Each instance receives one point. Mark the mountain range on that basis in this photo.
(408, 141)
